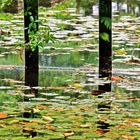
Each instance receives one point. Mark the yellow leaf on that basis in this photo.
(47, 118)
(28, 123)
(14, 122)
(77, 85)
(50, 127)
(36, 110)
(27, 130)
(121, 52)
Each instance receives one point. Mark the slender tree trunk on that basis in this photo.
(105, 60)
(128, 8)
(105, 47)
(118, 5)
(78, 6)
(31, 57)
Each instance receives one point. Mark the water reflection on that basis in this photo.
(104, 108)
(91, 6)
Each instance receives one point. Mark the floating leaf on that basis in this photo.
(27, 130)
(28, 123)
(116, 78)
(97, 92)
(85, 125)
(41, 107)
(121, 52)
(99, 131)
(50, 127)
(77, 85)
(31, 131)
(127, 137)
(135, 61)
(47, 118)
(68, 133)
(14, 122)
(36, 110)
(3, 115)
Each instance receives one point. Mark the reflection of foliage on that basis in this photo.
(3, 3)
(87, 5)
(63, 16)
(65, 27)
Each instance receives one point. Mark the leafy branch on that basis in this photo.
(105, 36)
(106, 21)
(37, 38)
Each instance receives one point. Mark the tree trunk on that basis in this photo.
(105, 47)
(78, 6)
(31, 57)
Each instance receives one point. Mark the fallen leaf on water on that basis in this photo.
(36, 110)
(100, 132)
(31, 131)
(3, 115)
(28, 123)
(14, 122)
(50, 127)
(13, 81)
(47, 118)
(134, 99)
(116, 78)
(135, 61)
(97, 92)
(1, 125)
(127, 137)
(28, 130)
(121, 52)
(68, 133)
(77, 85)
(58, 109)
(85, 125)
(41, 107)
(56, 88)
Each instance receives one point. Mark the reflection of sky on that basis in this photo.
(114, 8)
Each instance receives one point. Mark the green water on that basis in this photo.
(67, 105)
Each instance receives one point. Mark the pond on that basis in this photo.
(67, 103)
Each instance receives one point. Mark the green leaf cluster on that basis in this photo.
(106, 21)
(37, 38)
(105, 36)
(3, 3)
